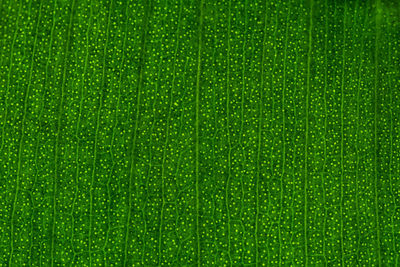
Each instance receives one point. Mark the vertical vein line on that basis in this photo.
(391, 151)
(342, 135)
(215, 132)
(46, 80)
(294, 95)
(357, 143)
(283, 133)
(228, 135)
(357, 150)
(60, 109)
(325, 130)
(271, 122)
(97, 132)
(197, 155)
(242, 123)
(137, 115)
(167, 133)
(307, 130)
(377, 36)
(259, 135)
(35, 153)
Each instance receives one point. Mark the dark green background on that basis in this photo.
(199, 133)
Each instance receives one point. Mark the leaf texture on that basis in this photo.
(200, 133)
